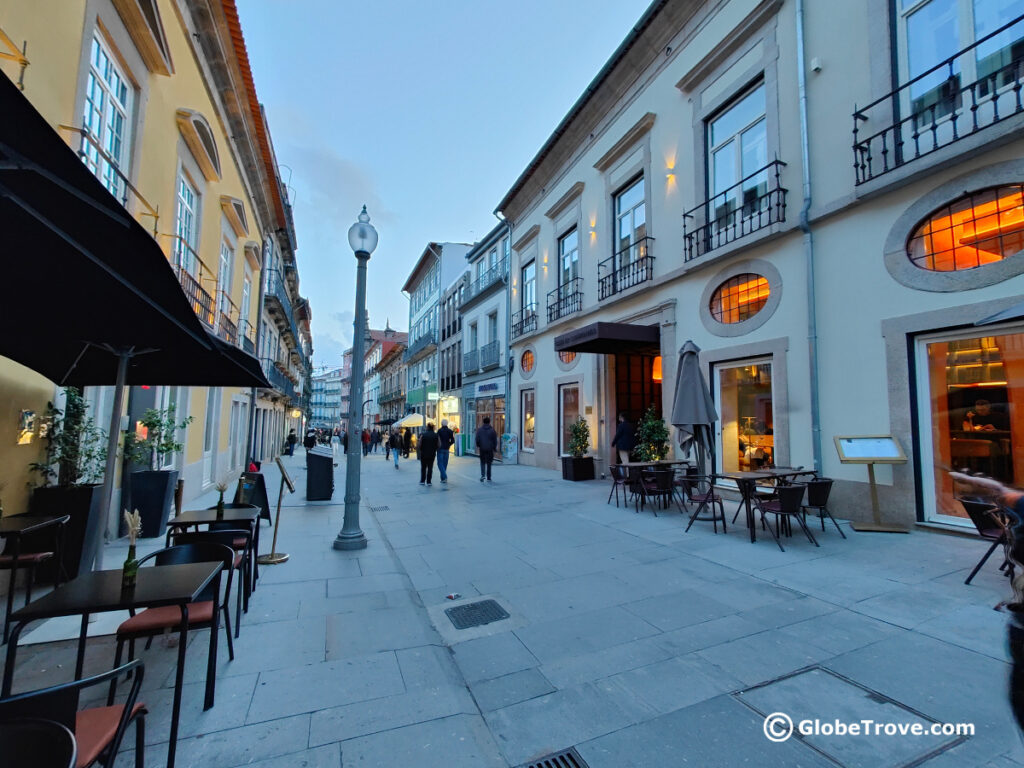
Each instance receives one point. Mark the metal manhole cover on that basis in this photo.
(476, 614)
(568, 758)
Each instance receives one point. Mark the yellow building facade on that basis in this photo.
(157, 97)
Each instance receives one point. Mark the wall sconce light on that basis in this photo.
(656, 369)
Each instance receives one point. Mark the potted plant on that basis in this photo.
(69, 484)
(152, 489)
(577, 465)
(651, 437)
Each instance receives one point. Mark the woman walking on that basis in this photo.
(395, 441)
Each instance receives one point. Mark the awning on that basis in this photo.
(611, 339)
(412, 420)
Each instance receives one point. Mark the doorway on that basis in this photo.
(746, 426)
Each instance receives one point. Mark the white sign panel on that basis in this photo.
(490, 388)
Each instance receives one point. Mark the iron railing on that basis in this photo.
(754, 202)
(227, 328)
(565, 299)
(277, 379)
(630, 266)
(935, 109)
(471, 361)
(278, 300)
(423, 342)
(248, 334)
(490, 354)
(524, 321)
(391, 395)
(488, 278)
(192, 273)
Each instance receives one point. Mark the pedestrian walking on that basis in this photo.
(445, 441)
(366, 442)
(374, 440)
(427, 452)
(396, 445)
(290, 442)
(309, 441)
(625, 438)
(406, 442)
(387, 444)
(487, 444)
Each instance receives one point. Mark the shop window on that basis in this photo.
(739, 298)
(529, 416)
(979, 228)
(527, 361)
(745, 402)
(566, 356)
(568, 413)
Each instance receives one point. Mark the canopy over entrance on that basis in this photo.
(611, 339)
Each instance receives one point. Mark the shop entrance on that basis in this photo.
(635, 387)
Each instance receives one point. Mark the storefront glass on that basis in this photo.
(568, 413)
(529, 417)
(968, 389)
(495, 408)
(746, 424)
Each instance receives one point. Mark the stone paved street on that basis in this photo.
(633, 641)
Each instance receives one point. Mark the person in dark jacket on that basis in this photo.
(395, 441)
(445, 441)
(309, 441)
(291, 440)
(374, 440)
(366, 442)
(344, 441)
(427, 451)
(625, 438)
(486, 444)
(406, 443)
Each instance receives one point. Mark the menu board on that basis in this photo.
(869, 449)
(252, 489)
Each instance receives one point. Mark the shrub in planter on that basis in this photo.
(577, 465)
(651, 437)
(153, 489)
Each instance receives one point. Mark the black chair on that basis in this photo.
(818, 491)
(700, 490)
(38, 743)
(227, 537)
(989, 522)
(253, 573)
(152, 622)
(619, 480)
(98, 731)
(786, 505)
(15, 559)
(656, 485)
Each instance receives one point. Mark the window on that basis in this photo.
(979, 228)
(168, 398)
(568, 257)
(566, 357)
(568, 414)
(186, 227)
(527, 361)
(739, 298)
(473, 336)
(529, 288)
(505, 251)
(108, 95)
(246, 297)
(631, 223)
(224, 278)
(747, 425)
(529, 415)
(492, 327)
(737, 150)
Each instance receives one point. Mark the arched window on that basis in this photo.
(200, 140)
(739, 298)
(566, 356)
(527, 361)
(979, 228)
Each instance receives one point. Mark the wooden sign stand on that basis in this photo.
(871, 450)
(274, 557)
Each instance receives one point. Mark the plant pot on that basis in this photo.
(152, 494)
(81, 534)
(577, 469)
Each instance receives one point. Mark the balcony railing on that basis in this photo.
(490, 354)
(755, 202)
(277, 378)
(471, 361)
(227, 329)
(278, 301)
(524, 321)
(936, 108)
(490, 277)
(565, 299)
(248, 331)
(423, 342)
(192, 274)
(630, 266)
(391, 395)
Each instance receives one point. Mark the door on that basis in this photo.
(210, 434)
(745, 431)
(568, 413)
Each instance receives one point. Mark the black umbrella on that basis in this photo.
(693, 410)
(90, 294)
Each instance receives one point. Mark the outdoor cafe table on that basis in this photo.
(16, 526)
(746, 481)
(247, 514)
(653, 464)
(100, 591)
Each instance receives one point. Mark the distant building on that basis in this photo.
(325, 405)
(450, 352)
(391, 372)
(378, 345)
(346, 386)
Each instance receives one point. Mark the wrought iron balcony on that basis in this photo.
(279, 303)
(425, 342)
(491, 277)
(490, 355)
(192, 274)
(227, 329)
(277, 378)
(248, 332)
(524, 321)
(391, 395)
(471, 361)
(565, 299)
(755, 202)
(936, 108)
(630, 266)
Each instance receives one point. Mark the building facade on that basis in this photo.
(378, 345)
(325, 404)
(157, 97)
(484, 312)
(346, 386)
(704, 188)
(392, 373)
(450, 352)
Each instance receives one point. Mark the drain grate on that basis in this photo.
(476, 614)
(381, 508)
(568, 758)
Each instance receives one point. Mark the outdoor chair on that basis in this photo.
(98, 731)
(989, 522)
(240, 563)
(700, 490)
(818, 491)
(619, 480)
(36, 742)
(151, 622)
(786, 506)
(29, 561)
(656, 485)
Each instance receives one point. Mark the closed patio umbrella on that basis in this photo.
(693, 410)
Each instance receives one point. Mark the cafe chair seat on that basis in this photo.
(32, 558)
(95, 728)
(167, 617)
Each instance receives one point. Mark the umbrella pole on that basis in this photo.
(113, 435)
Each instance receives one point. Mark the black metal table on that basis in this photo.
(13, 528)
(100, 591)
(746, 481)
(248, 514)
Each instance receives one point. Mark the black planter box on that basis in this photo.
(81, 534)
(577, 469)
(152, 494)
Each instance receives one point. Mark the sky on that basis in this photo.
(424, 111)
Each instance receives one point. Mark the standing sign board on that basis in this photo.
(871, 450)
(252, 489)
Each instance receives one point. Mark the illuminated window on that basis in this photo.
(979, 228)
(739, 298)
(527, 361)
(566, 356)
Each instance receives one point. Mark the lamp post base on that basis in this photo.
(350, 541)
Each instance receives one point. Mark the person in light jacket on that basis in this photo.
(445, 441)
(487, 444)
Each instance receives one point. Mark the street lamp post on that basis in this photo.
(363, 239)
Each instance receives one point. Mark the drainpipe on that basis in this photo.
(267, 245)
(509, 362)
(805, 227)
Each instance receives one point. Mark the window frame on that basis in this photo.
(125, 107)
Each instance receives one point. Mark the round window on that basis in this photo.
(976, 229)
(527, 361)
(566, 356)
(739, 298)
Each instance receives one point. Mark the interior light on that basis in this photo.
(656, 369)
